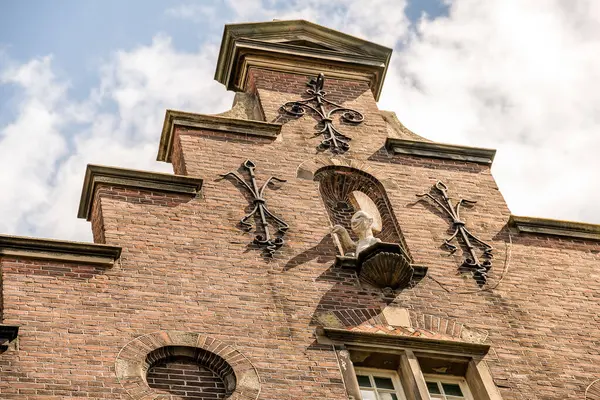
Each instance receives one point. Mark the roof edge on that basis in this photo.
(59, 250)
(554, 227)
(241, 40)
(154, 181)
(213, 123)
(453, 152)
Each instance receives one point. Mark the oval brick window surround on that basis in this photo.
(185, 365)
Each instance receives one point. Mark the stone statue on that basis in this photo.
(361, 224)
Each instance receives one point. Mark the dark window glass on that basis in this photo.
(433, 388)
(363, 381)
(452, 389)
(383, 383)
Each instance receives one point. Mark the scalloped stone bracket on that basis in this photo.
(131, 364)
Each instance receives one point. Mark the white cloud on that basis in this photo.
(381, 20)
(521, 76)
(45, 149)
(31, 144)
(193, 12)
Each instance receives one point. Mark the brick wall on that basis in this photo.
(186, 380)
(186, 265)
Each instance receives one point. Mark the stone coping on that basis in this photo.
(554, 227)
(155, 181)
(429, 345)
(213, 123)
(59, 250)
(297, 43)
(440, 150)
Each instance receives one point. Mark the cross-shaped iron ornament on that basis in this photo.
(478, 267)
(260, 205)
(334, 140)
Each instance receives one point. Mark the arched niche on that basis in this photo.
(346, 190)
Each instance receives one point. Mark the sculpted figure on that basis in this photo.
(362, 225)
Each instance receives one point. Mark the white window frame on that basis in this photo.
(383, 373)
(477, 375)
(462, 382)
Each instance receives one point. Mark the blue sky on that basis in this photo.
(88, 81)
(80, 34)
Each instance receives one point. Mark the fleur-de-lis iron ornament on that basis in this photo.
(260, 205)
(478, 267)
(333, 139)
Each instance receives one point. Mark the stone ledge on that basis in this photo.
(553, 227)
(299, 46)
(440, 150)
(154, 181)
(212, 123)
(59, 250)
(369, 339)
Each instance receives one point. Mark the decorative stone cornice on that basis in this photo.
(555, 227)
(440, 150)
(59, 250)
(298, 46)
(98, 174)
(212, 123)
(370, 339)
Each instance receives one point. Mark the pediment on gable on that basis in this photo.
(300, 43)
(311, 40)
(308, 44)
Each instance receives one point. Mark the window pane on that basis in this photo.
(433, 388)
(452, 389)
(363, 381)
(383, 383)
(388, 396)
(367, 395)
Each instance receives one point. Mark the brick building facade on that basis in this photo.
(177, 299)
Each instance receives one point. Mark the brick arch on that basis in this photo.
(447, 328)
(421, 325)
(592, 392)
(309, 168)
(137, 356)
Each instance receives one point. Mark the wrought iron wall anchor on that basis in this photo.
(260, 205)
(334, 140)
(474, 264)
